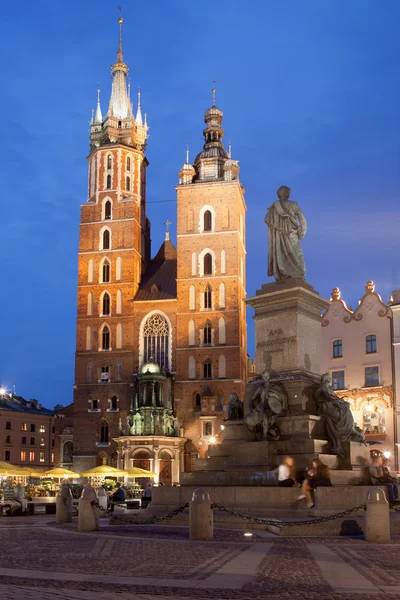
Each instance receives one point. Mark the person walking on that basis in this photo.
(317, 476)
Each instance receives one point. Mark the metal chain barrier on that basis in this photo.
(151, 521)
(279, 523)
(74, 511)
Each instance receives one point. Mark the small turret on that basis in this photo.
(187, 172)
(98, 118)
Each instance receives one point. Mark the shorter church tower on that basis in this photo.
(210, 322)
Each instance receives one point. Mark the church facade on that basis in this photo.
(160, 342)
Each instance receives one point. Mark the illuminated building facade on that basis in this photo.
(357, 346)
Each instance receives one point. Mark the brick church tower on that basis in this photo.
(161, 342)
(211, 360)
(114, 249)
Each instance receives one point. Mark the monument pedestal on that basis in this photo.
(287, 323)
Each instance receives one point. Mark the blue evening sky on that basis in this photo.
(311, 98)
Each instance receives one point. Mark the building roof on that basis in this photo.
(19, 404)
(159, 279)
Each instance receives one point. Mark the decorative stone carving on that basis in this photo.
(267, 403)
(286, 227)
(235, 408)
(339, 421)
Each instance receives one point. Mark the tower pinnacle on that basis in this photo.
(120, 54)
(120, 106)
(98, 118)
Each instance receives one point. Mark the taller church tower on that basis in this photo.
(211, 360)
(114, 249)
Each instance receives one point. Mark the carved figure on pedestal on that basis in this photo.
(286, 227)
(137, 424)
(127, 429)
(235, 408)
(267, 403)
(170, 422)
(339, 421)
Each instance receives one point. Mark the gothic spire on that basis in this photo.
(120, 106)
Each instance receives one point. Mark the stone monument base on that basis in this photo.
(241, 460)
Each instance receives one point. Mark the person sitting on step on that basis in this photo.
(380, 476)
(287, 472)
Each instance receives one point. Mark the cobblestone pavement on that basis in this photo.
(42, 561)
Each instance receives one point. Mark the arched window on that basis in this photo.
(223, 261)
(192, 368)
(207, 333)
(67, 452)
(207, 221)
(222, 366)
(194, 263)
(222, 295)
(128, 164)
(128, 184)
(118, 274)
(106, 271)
(106, 304)
(90, 270)
(208, 264)
(109, 162)
(114, 403)
(105, 338)
(197, 401)
(109, 181)
(89, 337)
(192, 333)
(119, 302)
(207, 369)
(118, 371)
(107, 210)
(222, 331)
(208, 297)
(192, 298)
(90, 303)
(119, 335)
(89, 374)
(104, 432)
(156, 340)
(106, 239)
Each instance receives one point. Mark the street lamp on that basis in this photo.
(3, 391)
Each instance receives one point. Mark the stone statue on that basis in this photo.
(235, 408)
(339, 421)
(170, 422)
(267, 403)
(286, 227)
(120, 426)
(137, 424)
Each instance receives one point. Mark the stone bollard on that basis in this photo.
(64, 505)
(377, 518)
(102, 499)
(201, 521)
(88, 519)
